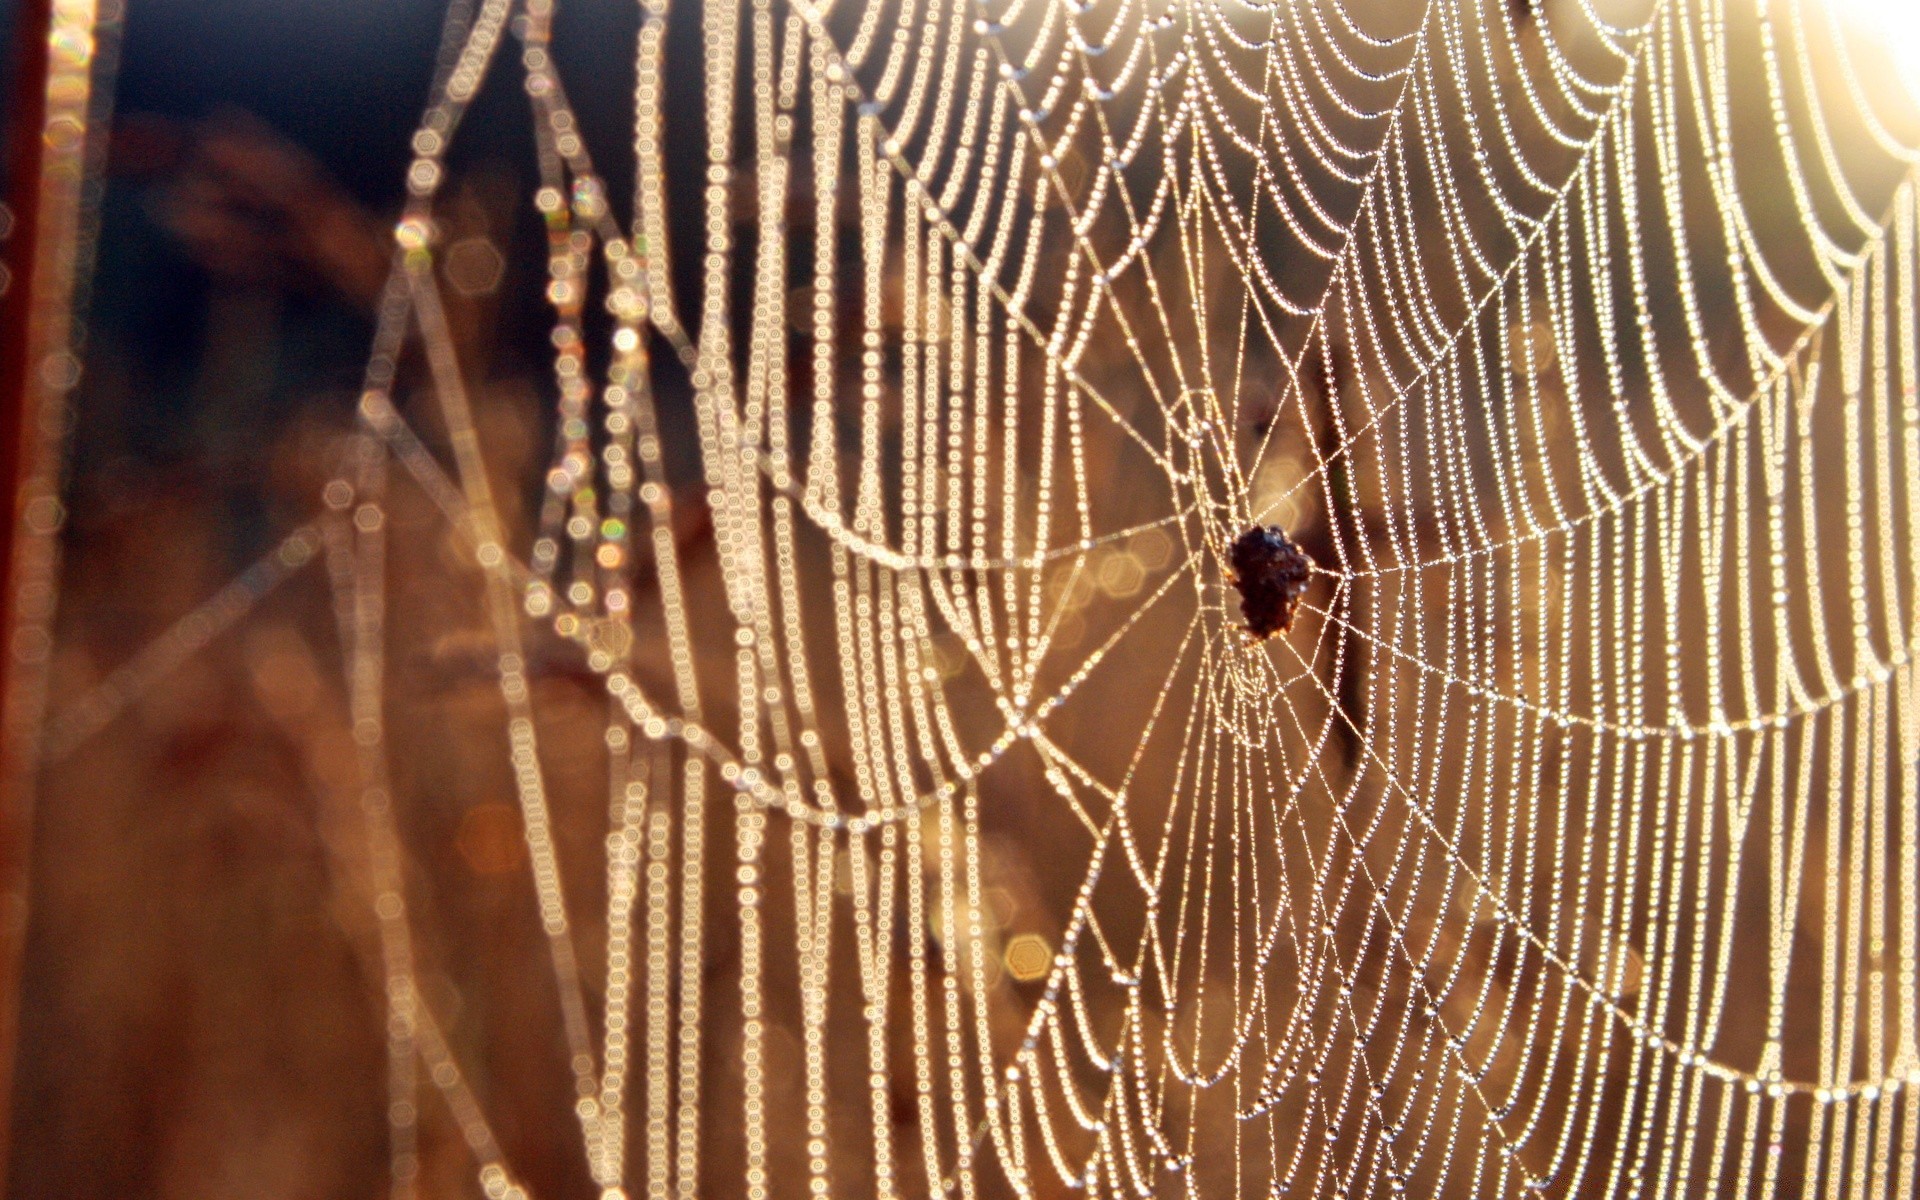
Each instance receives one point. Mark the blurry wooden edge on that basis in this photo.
(53, 165)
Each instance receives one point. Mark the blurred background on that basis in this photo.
(201, 1018)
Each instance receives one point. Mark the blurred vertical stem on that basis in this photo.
(52, 161)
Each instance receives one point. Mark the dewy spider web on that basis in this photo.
(1570, 840)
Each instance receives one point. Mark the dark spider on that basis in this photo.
(1272, 574)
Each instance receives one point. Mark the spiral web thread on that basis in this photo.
(1570, 840)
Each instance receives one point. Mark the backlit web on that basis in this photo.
(1567, 843)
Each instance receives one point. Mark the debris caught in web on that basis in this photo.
(1272, 574)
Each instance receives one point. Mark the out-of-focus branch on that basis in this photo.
(48, 150)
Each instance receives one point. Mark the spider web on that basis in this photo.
(1568, 842)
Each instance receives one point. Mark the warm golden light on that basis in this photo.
(1893, 26)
